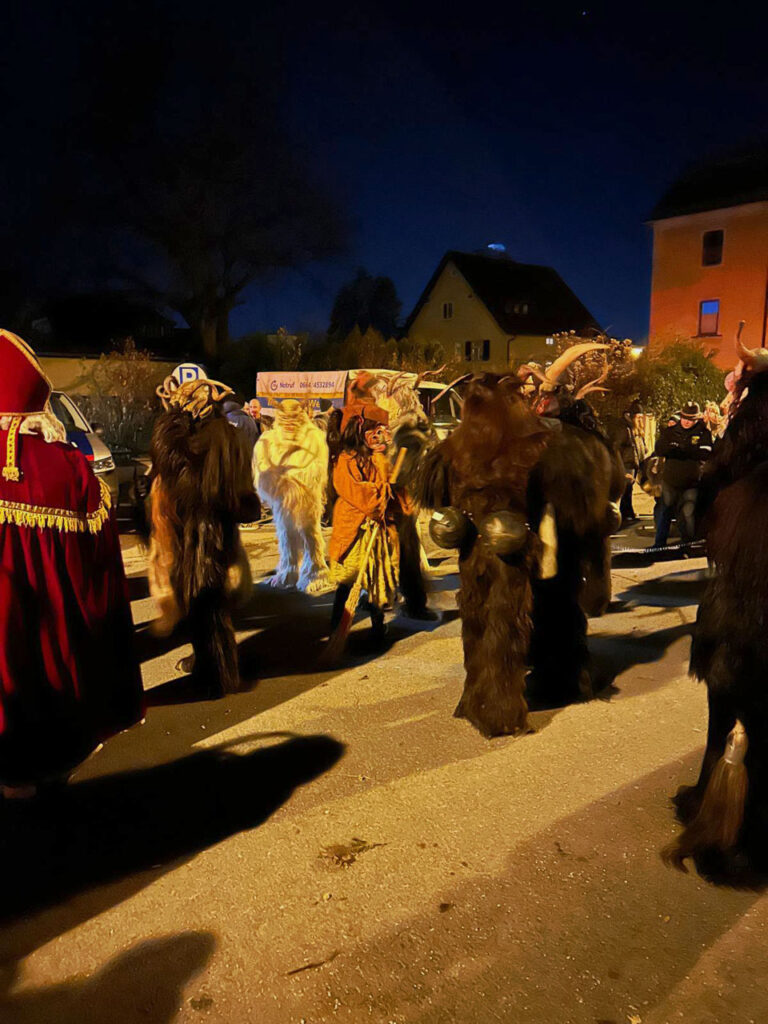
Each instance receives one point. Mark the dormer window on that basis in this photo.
(521, 308)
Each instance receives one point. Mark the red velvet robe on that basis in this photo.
(69, 677)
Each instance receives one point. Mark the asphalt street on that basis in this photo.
(335, 846)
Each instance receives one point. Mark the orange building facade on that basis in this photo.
(710, 254)
(710, 270)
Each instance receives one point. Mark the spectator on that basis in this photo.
(685, 446)
(242, 419)
(627, 436)
(713, 419)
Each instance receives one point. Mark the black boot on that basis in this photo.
(342, 593)
(378, 627)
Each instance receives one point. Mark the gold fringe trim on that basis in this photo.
(42, 518)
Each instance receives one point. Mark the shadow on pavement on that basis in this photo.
(291, 630)
(93, 832)
(673, 590)
(614, 655)
(583, 923)
(145, 984)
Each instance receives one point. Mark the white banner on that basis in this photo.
(302, 385)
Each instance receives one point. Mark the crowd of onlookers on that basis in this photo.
(670, 467)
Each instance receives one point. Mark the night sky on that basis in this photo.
(552, 128)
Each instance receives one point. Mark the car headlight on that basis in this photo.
(105, 465)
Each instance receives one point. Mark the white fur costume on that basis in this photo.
(290, 464)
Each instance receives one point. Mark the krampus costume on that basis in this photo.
(412, 431)
(726, 812)
(398, 395)
(69, 677)
(529, 502)
(202, 488)
(291, 467)
(477, 481)
(582, 477)
(361, 481)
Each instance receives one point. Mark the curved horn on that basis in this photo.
(394, 380)
(448, 387)
(593, 385)
(561, 364)
(747, 355)
(430, 373)
(753, 358)
(530, 371)
(588, 389)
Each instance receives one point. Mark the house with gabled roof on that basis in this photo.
(710, 255)
(492, 312)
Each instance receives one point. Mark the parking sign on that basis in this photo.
(186, 372)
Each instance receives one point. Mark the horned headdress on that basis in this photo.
(755, 359)
(549, 379)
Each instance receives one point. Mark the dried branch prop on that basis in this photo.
(337, 642)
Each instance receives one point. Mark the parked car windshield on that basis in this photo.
(66, 414)
(443, 410)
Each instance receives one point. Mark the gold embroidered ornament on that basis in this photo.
(11, 471)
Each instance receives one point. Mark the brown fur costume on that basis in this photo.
(581, 476)
(726, 812)
(202, 488)
(484, 466)
(529, 609)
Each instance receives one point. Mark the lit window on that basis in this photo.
(709, 316)
(521, 308)
(447, 310)
(550, 341)
(477, 351)
(712, 248)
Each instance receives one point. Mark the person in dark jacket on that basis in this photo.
(685, 446)
(627, 438)
(243, 420)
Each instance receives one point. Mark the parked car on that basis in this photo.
(86, 437)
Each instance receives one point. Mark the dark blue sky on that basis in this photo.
(552, 127)
(548, 129)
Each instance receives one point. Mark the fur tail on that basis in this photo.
(721, 814)
(214, 644)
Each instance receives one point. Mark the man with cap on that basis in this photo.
(69, 677)
(684, 445)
